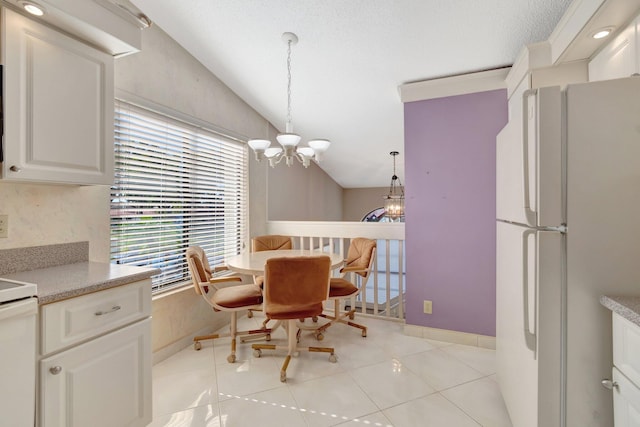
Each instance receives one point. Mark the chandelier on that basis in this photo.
(289, 149)
(394, 201)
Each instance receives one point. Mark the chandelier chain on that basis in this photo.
(289, 86)
(395, 180)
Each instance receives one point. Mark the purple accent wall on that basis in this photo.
(450, 167)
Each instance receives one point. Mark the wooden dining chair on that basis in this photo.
(234, 298)
(295, 288)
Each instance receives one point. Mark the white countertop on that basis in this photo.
(72, 280)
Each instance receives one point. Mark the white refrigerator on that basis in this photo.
(568, 231)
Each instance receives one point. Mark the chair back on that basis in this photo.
(198, 268)
(360, 256)
(296, 286)
(271, 242)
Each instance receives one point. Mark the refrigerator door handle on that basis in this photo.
(529, 335)
(530, 214)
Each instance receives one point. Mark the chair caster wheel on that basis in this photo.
(333, 358)
(364, 334)
(319, 336)
(268, 337)
(283, 377)
(315, 319)
(197, 345)
(250, 314)
(231, 358)
(257, 352)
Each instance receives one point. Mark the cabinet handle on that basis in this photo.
(15, 168)
(609, 384)
(114, 308)
(55, 370)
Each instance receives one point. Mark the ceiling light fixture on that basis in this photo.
(602, 33)
(394, 201)
(289, 141)
(33, 8)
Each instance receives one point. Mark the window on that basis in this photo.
(176, 185)
(379, 215)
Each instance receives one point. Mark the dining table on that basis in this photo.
(253, 263)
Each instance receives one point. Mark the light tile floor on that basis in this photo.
(386, 379)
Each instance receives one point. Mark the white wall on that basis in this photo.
(357, 202)
(299, 194)
(51, 214)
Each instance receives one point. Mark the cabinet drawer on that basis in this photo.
(74, 320)
(626, 347)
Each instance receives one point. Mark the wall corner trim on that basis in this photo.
(451, 86)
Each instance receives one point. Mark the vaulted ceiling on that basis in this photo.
(351, 57)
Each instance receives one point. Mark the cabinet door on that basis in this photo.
(626, 401)
(626, 347)
(57, 104)
(105, 382)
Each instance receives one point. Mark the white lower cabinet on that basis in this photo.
(104, 382)
(626, 401)
(95, 359)
(626, 372)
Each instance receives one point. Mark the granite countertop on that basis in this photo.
(627, 307)
(72, 280)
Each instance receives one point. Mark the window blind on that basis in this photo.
(176, 185)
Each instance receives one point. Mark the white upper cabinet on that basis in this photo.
(619, 58)
(58, 101)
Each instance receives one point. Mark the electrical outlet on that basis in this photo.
(4, 225)
(428, 306)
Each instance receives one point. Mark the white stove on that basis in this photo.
(12, 290)
(18, 311)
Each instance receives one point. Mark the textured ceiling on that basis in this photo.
(350, 60)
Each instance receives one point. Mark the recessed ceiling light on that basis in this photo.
(33, 8)
(602, 33)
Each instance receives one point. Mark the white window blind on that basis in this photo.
(176, 185)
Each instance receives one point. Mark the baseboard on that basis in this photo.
(171, 349)
(455, 337)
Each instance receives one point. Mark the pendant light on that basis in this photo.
(394, 201)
